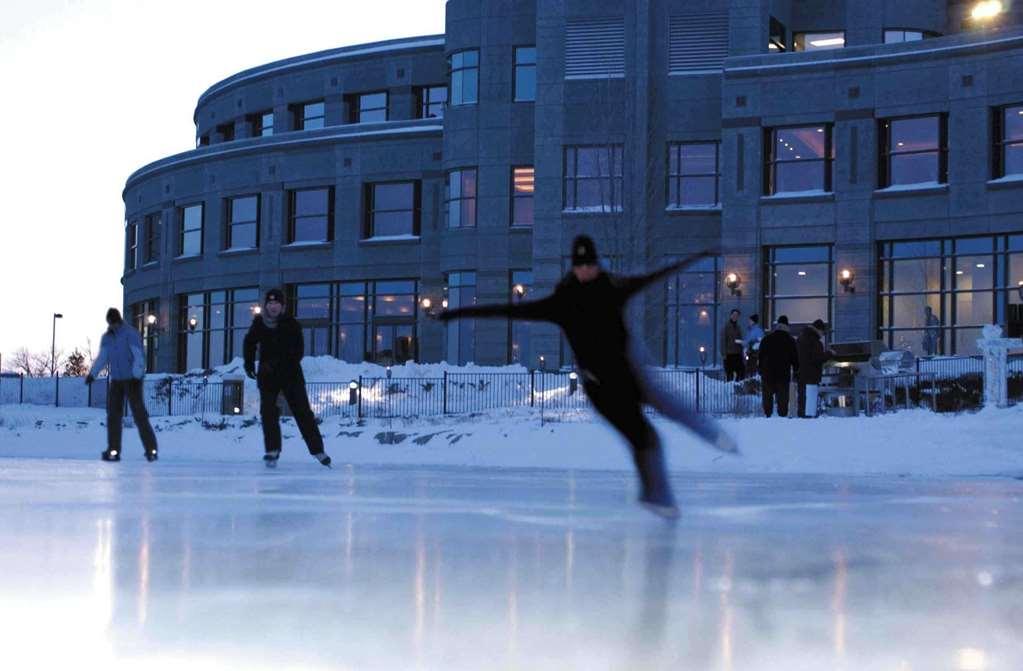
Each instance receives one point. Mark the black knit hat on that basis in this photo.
(114, 316)
(755, 319)
(820, 325)
(274, 295)
(584, 252)
(783, 320)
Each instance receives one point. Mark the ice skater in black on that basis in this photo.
(278, 336)
(589, 304)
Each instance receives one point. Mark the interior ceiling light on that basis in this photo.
(986, 9)
(840, 41)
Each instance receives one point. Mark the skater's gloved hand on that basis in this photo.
(251, 372)
(89, 379)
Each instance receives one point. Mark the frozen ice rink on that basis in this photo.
(230, 566)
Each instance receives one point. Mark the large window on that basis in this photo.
(914, 150)
(310, 116)
(691, 324)
(897, 35)
(262, 124)
(593, 178)
(523, 186)
(144, 316)
(367, 107)
(461, 198)
(131, 245)
(520, 289)
(817, 41)
(693, 174)
(312, 307)
(430, 101)
(310, 215)
(465, 74)
(212, 326)
(392, 209)
(798, 284)
(936, 295)
(1008, 134)
(461, 291)
(151, 225)
(190, 225)
(525, 74)
(242, 223)
(798, 160)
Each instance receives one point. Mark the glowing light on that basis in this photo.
(959, 272)
(731, 278)
(519, 290)
(573, 376)
(151, 319)
(802, 273)
(353, 385)
(444, 304)
(972, 659)
(193, 322)
(426, 303)
(986, 9)
(237, 410)
(256, 310)
(980, 265)
(820, 130)
(829, 42)
(846, 274)
(702, 349)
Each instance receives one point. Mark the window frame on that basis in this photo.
(770, 296)
(151, 238)
(292, 217)
(369, 198)
(771, 159)
(256, 123)
(131, 229)
(803, 34)
(884, 165)
(517, 66)
(302, 121)
(676, 148)
(424, 101)
(356, 109)
(574, 179)
(515, 197)
(924, 34)
(452, 71)
(461, 199)
(1000, 142)
(182, 231)
(229, 223)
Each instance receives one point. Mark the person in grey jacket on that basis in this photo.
(120, 350)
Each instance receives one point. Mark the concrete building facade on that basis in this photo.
(859, 162)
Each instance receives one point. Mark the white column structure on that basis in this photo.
(995, 349)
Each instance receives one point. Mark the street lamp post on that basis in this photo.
(53, 344)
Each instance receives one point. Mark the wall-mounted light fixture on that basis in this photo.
(353, 392)
(733, 282)
(703, 355)
(519, 291)
(150, 319)
(846, 277)
(192, 323)
(985, 10)
(573, 383)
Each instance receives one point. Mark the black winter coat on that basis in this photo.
(811, 356)
(592, 316)
(778, 356)
(280, 349)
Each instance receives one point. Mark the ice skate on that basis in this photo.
(270, 459)
(110, 455)
(151, 456)
(323, 458)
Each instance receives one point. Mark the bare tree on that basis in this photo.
(30, 364)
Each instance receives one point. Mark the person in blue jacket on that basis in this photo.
(120, 350)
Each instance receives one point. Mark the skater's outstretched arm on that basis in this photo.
(543, 310)
(633, 284)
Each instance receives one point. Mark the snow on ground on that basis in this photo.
(914, 442)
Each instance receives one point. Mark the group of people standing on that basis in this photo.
(778, 358)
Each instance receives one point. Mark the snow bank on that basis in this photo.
(906, 443)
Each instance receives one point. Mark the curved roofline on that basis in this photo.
(317, 57)
(327, 135)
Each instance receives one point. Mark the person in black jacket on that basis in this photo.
(812, 356)
(778, 357)
(278, 337)
(588, 304)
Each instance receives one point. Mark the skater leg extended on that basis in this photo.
(674, 408)
(115, 416)
(270, 417)
(298, 400)
(141, 415)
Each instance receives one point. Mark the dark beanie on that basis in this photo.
(114, 316)
(584, 252)
(755, 319)
(820, 325)
(783, 320)
(274, 295)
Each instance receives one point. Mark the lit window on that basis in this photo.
(523, 186)
(798, 159)
(913, 151)
(818, 41)
(1008, 150)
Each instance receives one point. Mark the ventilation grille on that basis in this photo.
(594, 48)
(698, 42)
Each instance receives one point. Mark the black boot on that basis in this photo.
(151, 456)
(110, 455)
(656, 493)
(323, 458)
(270, 458)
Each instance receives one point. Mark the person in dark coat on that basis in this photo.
(121, 351)
(812, 356)
(732, 344)
(778, 358)
(589, 304)
(278, 337)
